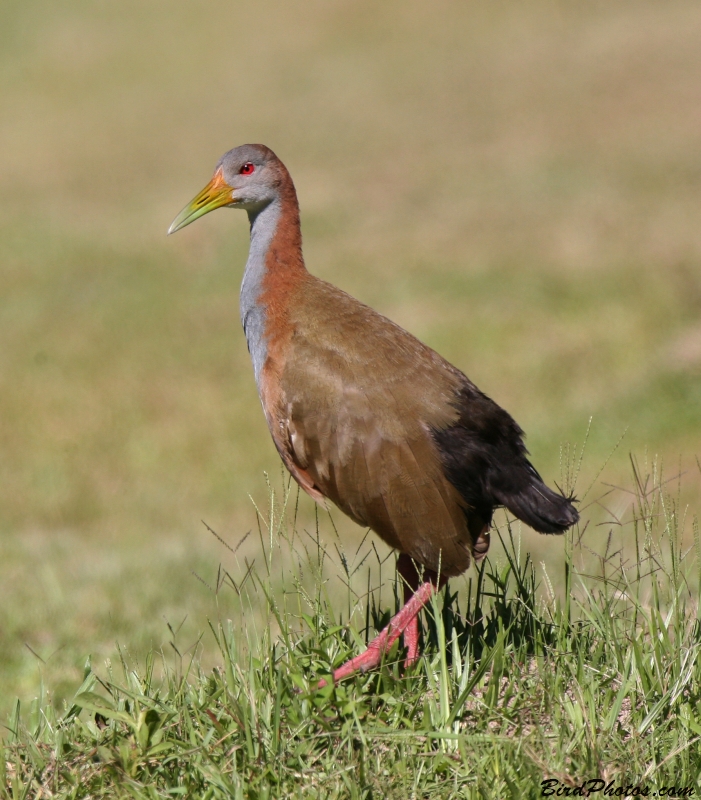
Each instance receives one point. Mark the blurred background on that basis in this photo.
(518, 184)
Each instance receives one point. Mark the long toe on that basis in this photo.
(411, 642)
(402, 622)
(364, 662)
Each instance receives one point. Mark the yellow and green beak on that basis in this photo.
(216, 193)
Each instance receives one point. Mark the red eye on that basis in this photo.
(247, 168)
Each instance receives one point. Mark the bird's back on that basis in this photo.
(365, 414)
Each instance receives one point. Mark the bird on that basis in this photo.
(364, 414)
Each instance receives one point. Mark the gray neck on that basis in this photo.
(263, 226)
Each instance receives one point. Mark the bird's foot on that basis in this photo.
(406, 622)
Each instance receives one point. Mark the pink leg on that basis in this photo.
(411, 642)
(416, 595)
(412, 578)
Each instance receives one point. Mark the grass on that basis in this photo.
(518, 684)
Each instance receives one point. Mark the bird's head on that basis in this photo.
(247, 177)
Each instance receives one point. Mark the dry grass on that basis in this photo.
(518, 184)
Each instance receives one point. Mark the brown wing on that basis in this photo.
(353, 418)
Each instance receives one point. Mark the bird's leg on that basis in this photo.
(386, 638)
(412, 580)
(417, 592)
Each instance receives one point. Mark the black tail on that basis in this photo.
(523, 492)
(485, 459)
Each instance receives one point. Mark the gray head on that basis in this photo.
(250, 176)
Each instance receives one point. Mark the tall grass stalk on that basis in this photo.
(516, 685)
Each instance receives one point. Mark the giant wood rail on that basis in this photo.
(364, 414)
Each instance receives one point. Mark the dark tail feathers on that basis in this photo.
(534, 503)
